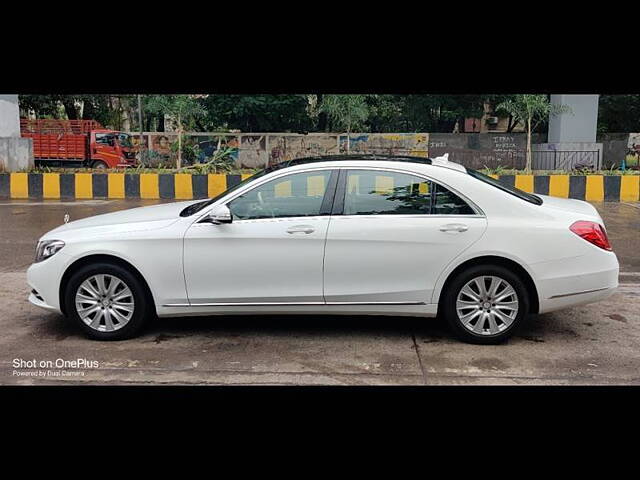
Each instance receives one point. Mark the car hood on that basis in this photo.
(569, 205)
(141, 218)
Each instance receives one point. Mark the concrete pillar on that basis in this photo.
(16, 153)
(9, 116)
(580, 125)
(572, 136)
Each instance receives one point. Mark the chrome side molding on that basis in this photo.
(280, 304)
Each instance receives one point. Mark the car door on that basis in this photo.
(271, 252)
(391, 235)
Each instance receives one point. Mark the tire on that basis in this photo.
(112, 311)
(478, 320)
(99, 165)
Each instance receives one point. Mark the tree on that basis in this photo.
(619, 113)
(531, 109)
(184, 109)
(346, 112)
(257, 113)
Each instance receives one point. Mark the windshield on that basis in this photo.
(124, 139)
(196, 207)
(528, 197)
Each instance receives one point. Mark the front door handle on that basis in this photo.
(454, 227)
(306, 229)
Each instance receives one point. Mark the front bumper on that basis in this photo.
(39, 302)
(44, 277)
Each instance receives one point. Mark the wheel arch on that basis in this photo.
(100, 258)
(517, 268)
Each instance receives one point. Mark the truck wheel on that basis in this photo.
(99, 165)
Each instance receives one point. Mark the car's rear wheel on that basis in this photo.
(485, 304)
(106, 301)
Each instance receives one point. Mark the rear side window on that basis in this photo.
(386, 193)
(375, 192)
(448, 203)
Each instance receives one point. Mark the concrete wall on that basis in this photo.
(16, 154)
(477, 150)
(257, 150)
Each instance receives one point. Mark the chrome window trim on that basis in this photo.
(283, 173)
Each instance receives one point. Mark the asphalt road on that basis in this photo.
(593, 344)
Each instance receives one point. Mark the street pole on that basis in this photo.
(140, 124)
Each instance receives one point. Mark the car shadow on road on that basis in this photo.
(428, 330)
(284, 325)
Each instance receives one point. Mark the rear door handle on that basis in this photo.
(454, 227)
(306, 229)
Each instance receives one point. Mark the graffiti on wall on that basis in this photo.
(633, 151)
(257, 151)
(283, 148)
(253, 151)
(414, 144)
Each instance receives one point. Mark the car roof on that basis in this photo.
(438, 161)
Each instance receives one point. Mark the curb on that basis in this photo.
(185, 186)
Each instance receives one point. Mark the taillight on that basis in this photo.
(592, 232)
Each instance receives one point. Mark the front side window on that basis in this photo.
(298, 195)
(386, 193)
(105, 138)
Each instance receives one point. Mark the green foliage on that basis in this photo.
(499, 170)
(619, 113)
(106, 109)
(531, 109)
(151, 159)
(220, 162)
(257, 113)
(346, 112)
(185, 109)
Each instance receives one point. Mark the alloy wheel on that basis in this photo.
(104, 302)
(487, 305)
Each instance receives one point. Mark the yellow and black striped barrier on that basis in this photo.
(184, 186)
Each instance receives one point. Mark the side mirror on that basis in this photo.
(220, 214)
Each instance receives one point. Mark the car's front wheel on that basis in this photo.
(485, 304)
(106, 301)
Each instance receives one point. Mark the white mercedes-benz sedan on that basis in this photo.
(358, 234)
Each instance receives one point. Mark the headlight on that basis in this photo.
(48, 248)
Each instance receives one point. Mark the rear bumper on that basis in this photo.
(576, 280)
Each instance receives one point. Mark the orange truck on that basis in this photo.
(78, 143)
